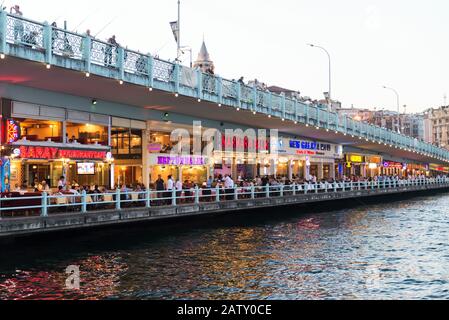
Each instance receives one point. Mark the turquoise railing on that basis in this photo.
(41, 42)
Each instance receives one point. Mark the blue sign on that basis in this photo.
(306, 145)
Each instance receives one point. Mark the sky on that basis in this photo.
(397, 43)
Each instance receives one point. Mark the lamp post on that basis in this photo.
(399, 106)
(330, 71)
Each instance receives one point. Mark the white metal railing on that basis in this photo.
(46, 204)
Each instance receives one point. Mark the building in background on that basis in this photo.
(436, 126)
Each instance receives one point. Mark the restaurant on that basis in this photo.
(192, 168)
(361, 165)
(44, 143)
(304, 159)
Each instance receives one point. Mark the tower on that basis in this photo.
(204, 62)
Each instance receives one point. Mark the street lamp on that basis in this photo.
(399, 107)
(330, 71)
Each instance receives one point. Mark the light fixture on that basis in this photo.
(238, 109)
(87, 74)
(94, 102)
(219, 105)
(176, 95)
(121, 81)
(254, 112)
(199, 100)
(150, 89)
(269, 116)
(2, 56)
(283, 119)
(48, 66)
(296, 122)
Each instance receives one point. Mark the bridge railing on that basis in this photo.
(19, 31)
(15, 205)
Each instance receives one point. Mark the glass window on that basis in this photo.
(40, 130)
(126, 143)
(87, 134)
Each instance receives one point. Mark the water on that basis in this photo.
(394, 250)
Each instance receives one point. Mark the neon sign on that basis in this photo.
(306, 145)
(56, 153)
(179, 161)
(12, 131)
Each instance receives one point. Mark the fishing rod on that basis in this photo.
(107, 25)
(87, 18)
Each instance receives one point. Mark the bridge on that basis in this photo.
(36, 55)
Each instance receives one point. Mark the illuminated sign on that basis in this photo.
(395, 165)
(180, 161)
(309, 148)
(245, 144)
(154, 148)
(355, 159)
(48, 153)
(12, 131)
(306, 145)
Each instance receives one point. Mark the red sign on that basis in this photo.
(306, 152)
(245, 144)
(48, 153)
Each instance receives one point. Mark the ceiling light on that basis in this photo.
(48, 66)
(87, 74)
(94, 101)
(150, 89)
(2, 56)
(121, 81)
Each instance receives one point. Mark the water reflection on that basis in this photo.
(385, 251)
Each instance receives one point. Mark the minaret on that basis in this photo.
(203, 62)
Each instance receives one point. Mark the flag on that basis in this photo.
(175, 28)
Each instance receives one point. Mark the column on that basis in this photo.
(306, 169)
(112, 176)
(180, 174)
(234, 169)
(320, 171)
(290, 170)
(332, 170)
(146, 160)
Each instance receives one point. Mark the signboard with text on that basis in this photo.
(309, 148)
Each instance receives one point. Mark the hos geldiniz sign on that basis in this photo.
(49, 153)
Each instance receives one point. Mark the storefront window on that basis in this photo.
(40, 130)
(160, 142)
(87, 134)
(126, 143)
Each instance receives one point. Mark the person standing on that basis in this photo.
(229, 186)
(160, 187)
(112, 43)
(170, 188)
(178, 187)
(18, 24)
(62, 183)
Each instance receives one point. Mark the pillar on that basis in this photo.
(146, 160)
(306, 169)
(332, 170)
(290, 170)
(234, 169)
(320, 171)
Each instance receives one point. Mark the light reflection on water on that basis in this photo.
(385, 251)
